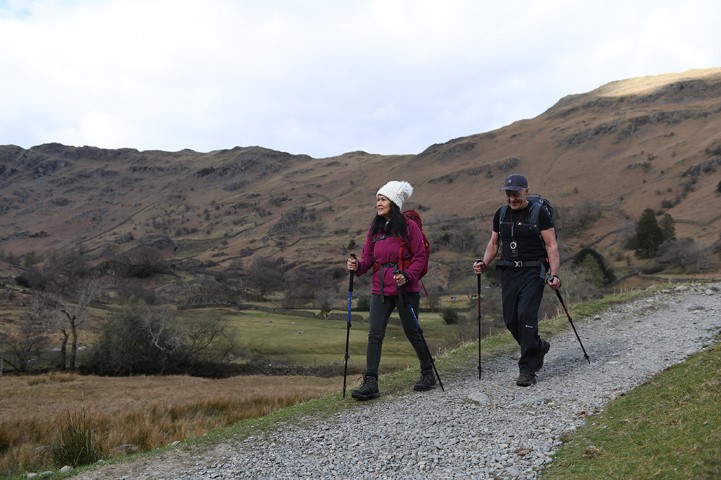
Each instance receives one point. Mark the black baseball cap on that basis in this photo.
(516, 182)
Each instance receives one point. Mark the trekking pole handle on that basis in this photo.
(401, 292)
(478, 275)
(397, 271)
(482, 262)
(351, 274)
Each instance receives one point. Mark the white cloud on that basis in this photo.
(320, 77)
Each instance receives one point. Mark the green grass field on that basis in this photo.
(292, 340)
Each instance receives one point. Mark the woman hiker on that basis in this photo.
(392, 276)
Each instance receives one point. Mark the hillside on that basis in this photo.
(651, 142)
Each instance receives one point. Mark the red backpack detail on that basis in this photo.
(413, 216)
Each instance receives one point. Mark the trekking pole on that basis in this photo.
(478, 301)
(348, 325)
(402, 296)
(563, 304)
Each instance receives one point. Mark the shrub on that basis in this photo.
(668, 227)
(684, 255)
(450, 316)
(592, 260)
(575, 220)
(580, 283)
(126, 346)
(295, 220)
(32, 278)
(76, 444)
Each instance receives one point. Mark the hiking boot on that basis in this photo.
(426, 382)
(545, 347)
(525, 380)
(368, 390)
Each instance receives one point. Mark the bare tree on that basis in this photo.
(201, 334)
(323, 299)
(87, 290)
(181, 341)
(463, 238)
(141, 339)
(28, 341)
(157, 322)
(433, 299)
(687, 256)
(266, 275)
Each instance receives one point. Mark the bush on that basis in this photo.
(651, 268)
(449, 316)
(137, 339)
(685, 256)
(295, 220)
(576, 220)
(580, 283)
(32, 278)
(76, 445)
(142, 262)
(595, 262)
(133, 290)
(126, 346)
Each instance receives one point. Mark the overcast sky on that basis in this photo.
(322, 77)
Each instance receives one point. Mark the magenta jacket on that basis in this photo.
(383, 252)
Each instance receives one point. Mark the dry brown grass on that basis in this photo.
(135, 412)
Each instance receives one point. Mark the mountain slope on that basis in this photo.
(651, 142)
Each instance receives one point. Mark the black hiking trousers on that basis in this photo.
(380, 312)
(522, 292)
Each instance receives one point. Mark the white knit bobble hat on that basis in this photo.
(396, 192)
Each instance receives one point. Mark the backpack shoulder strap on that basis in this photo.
(535, 217)
(502, 214)
(402, 244)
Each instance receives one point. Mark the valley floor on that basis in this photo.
(478, 429)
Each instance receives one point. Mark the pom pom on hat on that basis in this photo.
(397, 192)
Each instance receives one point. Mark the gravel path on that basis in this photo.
(475, 429)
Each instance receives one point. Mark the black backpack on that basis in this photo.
(537, 203)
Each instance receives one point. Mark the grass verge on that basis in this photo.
(667, 428)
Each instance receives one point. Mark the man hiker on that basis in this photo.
(529, 260)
